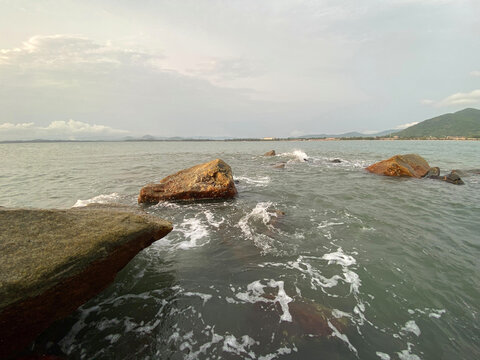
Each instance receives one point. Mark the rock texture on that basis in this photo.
(270, 153)
(411, 165)
(212, 180)
(52, 261)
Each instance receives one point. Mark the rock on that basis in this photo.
(412, 165)
(279, 165)
(336, 161)
(311, 318)
(270, 153)
(432, 172)
(53, 261)
(453, 178)
(212, 180)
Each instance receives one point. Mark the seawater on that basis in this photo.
(318, 260)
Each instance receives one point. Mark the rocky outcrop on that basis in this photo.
(212, 180)
(411, 165)
(270, 153)
(452, 178)
(53, 261)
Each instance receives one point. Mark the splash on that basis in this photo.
(100, 199)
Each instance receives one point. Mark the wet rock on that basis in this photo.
(453, 178)
(433, 172)
(308, 318)
(280, 165)
(313, 319)
(411, 165)
(212, 180)
(336, 161)
(270, 153)
(53, 261)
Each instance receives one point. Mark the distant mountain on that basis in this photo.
(353, 134)
(463, 123)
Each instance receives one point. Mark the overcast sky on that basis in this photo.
(246, 68)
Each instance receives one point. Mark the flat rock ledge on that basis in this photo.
(53, 261)
(208, 181)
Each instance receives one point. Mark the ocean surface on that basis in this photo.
(318, 260)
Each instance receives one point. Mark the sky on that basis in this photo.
(245, 68)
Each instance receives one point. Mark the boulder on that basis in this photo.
(212, 180)
(270, 153)
(453, 178)
(411, 165)
(336, 161)
(53, 261)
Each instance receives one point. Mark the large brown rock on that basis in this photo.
(212, 180)
(411, 165)
(53, 261)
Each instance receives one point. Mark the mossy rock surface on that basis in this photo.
(52, 261)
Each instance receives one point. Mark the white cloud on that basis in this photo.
(52, 51)
(463, 99)
(58, 130)
(475, 73)
(404, 126)
(10, 126)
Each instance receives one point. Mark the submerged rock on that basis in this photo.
(270, 153)
(53, 261)
(411, 165)
(212, 180)
(314, 319)
(336, 161)
(280, 165)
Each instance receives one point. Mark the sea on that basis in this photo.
(316, 260)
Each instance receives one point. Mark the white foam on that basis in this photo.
(325, 224)
(260, 181)
(232, 345)
(407, 355)
(193, 230)
(211, 219)
(281, 351)
(298, 155)
(437, 313)
(255, 292)
(412, 327)
(382, 355)
(100, 199)
(204, 297)
(342, 337)
(259, 214)
(340, 258)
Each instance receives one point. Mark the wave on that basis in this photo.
(100, 199)
(297, 155)
(259, 181)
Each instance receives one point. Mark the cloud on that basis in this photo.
(458, 99)
(49, 51)
(404, 126)
(58, 130)
(475, 73)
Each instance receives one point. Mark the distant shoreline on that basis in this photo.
(450, 138)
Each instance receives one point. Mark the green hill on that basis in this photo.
(464, 123)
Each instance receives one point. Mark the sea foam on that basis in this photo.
(100, 199)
